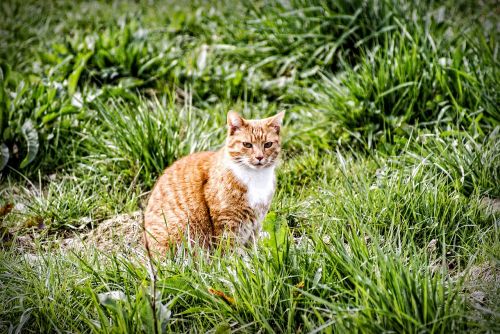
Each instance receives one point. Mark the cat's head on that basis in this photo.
(254, 143)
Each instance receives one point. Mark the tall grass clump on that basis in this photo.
(303, 37)
(403, 199)
(146, 137)
(403, 84)
(125, 55)
(471, 165)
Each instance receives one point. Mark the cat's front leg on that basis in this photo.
(233, 230)
(224, 230)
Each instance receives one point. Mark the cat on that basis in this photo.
(206, 196)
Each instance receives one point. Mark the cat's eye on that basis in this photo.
(247, 145)
(268, 144)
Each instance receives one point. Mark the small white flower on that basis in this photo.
(443, 61)
(77, 100)
(106, 297)
(90, 41)
(201, 62)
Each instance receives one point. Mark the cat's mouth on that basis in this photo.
(255, 164)
(259, 164)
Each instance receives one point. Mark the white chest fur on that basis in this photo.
(259, 183)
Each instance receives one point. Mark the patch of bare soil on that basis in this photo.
(120, 233)
(483, 292)
(492, 205)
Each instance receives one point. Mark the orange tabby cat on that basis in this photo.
(207, 195)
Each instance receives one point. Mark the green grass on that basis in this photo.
(383, 219)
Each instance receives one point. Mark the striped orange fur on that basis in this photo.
(208, 195)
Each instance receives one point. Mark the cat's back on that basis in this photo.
(186, 172)
(178, 198)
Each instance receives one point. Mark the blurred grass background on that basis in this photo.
(387, 193)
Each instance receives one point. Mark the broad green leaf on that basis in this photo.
(277, 233)
(31, 136)
(67, 110)
(73, 79)
(75, 75)
(40, 111)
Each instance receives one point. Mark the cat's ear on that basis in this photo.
(276, 121)
(234, 122)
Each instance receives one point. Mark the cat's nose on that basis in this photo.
(259, 158)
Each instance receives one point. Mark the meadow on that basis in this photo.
(387, 213)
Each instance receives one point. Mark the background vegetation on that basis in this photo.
(386, 216)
